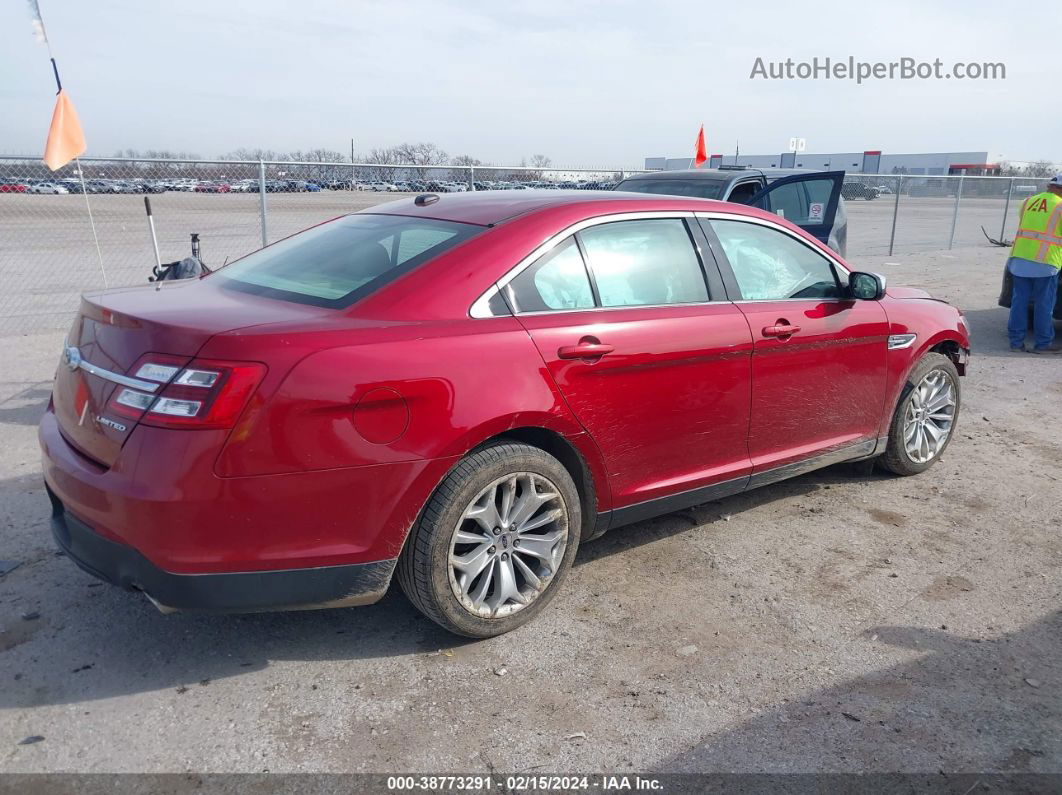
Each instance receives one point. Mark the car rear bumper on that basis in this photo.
(159, 519)
(251, 591)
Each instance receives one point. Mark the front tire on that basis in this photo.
(924, 421)
(494, 542)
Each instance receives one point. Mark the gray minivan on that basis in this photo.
(810, 199)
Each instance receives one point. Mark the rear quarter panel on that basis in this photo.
(394, 393)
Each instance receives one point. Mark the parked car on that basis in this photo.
(810, 199)
(244, 186)
(298, 427)
(47, 187)
(212, 187)
(884, 190)
(13, 186)
(858, 190)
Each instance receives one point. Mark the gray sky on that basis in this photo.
(586, 83)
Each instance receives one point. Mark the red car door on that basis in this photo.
(819, 356)
(654, 366)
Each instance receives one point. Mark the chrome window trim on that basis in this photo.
(748, 219)
(481, 307)
(480, 304)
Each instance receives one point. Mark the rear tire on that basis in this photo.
(921, 429)
(494, 542)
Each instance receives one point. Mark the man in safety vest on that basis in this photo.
(1034, 264)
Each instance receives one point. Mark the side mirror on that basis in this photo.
(866, 286)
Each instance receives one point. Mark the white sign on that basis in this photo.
(815, 212)
(798, 144)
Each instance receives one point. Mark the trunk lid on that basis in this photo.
(114, 329)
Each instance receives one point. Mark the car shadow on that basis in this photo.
(981, 704)
(91, 640)
(649, 531)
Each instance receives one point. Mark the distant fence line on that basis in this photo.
(47, 255)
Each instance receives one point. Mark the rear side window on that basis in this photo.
(639, 263)
(556, 280)
(700, 188)
(337, 263)
(770, 265)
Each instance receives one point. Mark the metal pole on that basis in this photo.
(352, 171)
(262, 198)
(471, 178)
(895, 213)
(955, 215)
(1006, 209)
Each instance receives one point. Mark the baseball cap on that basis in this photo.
(1055, 180)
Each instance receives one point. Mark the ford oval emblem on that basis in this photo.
(72, 357)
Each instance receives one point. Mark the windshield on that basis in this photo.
(699, 188)
(339, 262)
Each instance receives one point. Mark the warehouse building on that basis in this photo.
(871, 161)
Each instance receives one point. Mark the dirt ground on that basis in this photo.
(842, 621)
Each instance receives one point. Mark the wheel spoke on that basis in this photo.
(508, 495)
(940, 400)
(529, 574)
(541, 520)
(541, 546)
(465, 537)
(486, 513)
(506, 588)
(473, 562)
(479, 595)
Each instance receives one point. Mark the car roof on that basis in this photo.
(722, 174)
(490, 207)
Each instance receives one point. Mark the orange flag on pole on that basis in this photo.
(700, 156)
(65, 137)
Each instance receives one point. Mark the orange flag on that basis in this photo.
(700, 156)
(65, 138)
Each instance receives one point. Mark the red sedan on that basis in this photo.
(462, 389)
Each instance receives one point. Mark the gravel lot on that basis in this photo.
(843, 621)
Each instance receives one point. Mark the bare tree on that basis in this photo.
(463, 160)
(325, 172)
(1040, 168)
(244, 153)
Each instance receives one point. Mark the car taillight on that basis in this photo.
(201, 394)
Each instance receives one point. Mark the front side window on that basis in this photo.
(639, 263)
(555, 281)
(335, 264)
(769, 265)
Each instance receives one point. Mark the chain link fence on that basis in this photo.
(47, 251)
(48, 256)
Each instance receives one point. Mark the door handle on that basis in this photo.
(780, 329)
(584, 350)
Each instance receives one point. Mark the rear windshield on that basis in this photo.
(339, 262)
(698, 188)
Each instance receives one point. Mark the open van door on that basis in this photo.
(807, 200)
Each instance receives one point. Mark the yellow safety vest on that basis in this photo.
(1039, 236)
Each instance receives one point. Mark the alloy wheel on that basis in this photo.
(929, 417)
(508, 545)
